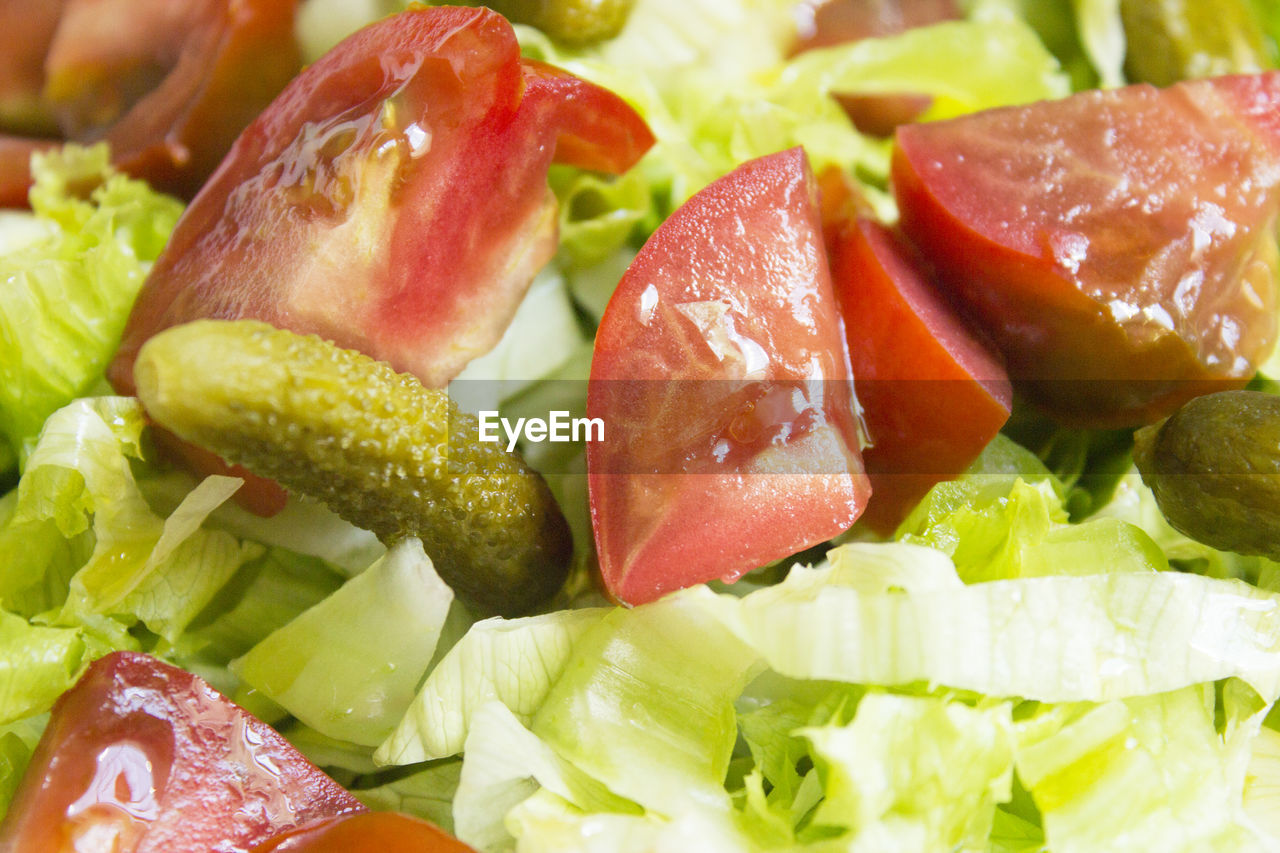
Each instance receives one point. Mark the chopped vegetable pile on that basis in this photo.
(861, 416)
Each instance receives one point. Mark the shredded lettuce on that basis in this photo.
(512, 661)
(68, 291)
(872, 702)
(1148, 773)
(915, 773)
(375, 635)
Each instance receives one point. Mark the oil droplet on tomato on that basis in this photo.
(118, 803)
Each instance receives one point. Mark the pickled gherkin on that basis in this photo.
(568, 21)
(1214, 467)
(374, 445)
(1171, 40)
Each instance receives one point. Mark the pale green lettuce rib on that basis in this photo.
(1052, 639)
(1149, 773)
(514, 661)
(505, 765)
(348, 666)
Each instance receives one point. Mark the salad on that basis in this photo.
(750, 611)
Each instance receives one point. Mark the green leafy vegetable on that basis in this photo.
(375, 636)
(68, 291)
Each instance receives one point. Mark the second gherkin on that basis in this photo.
(376, 446)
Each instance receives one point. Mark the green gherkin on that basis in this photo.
(1214, 467)
(374, 445)
(569, 21)
(1170, 40)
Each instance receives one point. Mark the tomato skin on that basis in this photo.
(832, 22)
(149, 755)
(298, 230)
(721, 376)
(594, 129)
(1117, 246)
(168, 84)
(932, 395)
(393, 199)
(368, 832)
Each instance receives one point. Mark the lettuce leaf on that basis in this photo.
(915, 773)
(66, 295)
(514, 661)
(349, 665)
(505, 765)
(1149, 773)
(645, 703)
(1094, 637)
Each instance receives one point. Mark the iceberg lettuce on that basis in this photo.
(68, 291)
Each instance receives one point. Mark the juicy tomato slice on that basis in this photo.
(1118, 246)
(368, 832)
(393, 199)
(721, 377)
(142, 757)
(168, 85)
(932, 395)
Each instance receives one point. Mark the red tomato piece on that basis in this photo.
(830, 22)
(15, 167)
(592, 128)
(143, 757)
(880, 114)
(1118, 246)
(721, 377)
(26, 31)
(168, 84)
(369, 832)
(932, 395)
(393, 199)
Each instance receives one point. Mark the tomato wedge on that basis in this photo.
(368, 832)
(721, 377)
(142, 757)
(932, 395)
(393, 199)
(168, 85)
(1118, 246)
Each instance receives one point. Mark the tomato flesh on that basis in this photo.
(368, 832)
(932, 395)
(721, 377)
(142, 757)
(168, 85)
(1118, 246)
(393, 199)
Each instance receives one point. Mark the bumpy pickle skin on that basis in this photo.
(1214, 466)
(374, 445)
